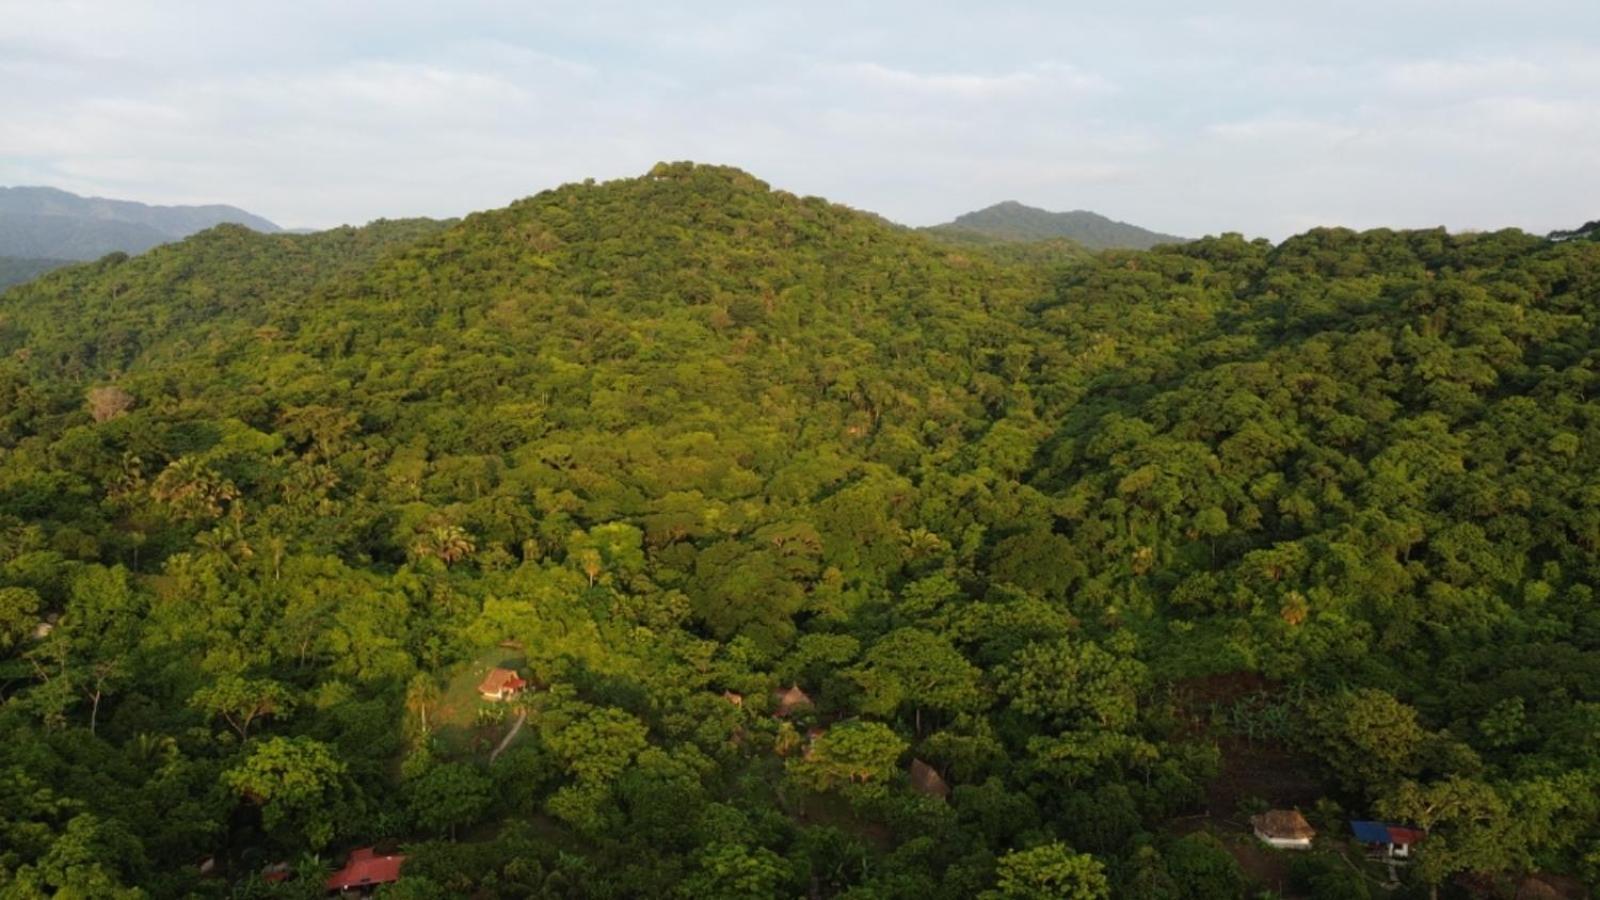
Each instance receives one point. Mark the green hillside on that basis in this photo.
(1012, 221)
(1125, 547)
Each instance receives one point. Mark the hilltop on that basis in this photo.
(1012, 221)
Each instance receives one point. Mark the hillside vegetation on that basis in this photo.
(1088, 535)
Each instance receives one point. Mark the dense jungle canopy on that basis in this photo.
(1125, 547)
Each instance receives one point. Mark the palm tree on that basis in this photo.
(421, 695)
(449, 544)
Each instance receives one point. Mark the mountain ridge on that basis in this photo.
(1012, 220)
(50, 223)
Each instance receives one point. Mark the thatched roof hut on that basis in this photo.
(1283, 828)
(927, 780)
(790, 701)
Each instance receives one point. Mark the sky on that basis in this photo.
(1265, 118)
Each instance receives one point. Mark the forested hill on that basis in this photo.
(1122, 547)
(1012, 221)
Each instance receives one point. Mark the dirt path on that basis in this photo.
(510, 736)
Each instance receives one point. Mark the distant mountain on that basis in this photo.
(47, 223)
(1012, 221)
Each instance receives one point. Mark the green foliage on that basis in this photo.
(297, 782)
(1074, 683)
(851, 753)
(1366, 736)
(1049, 872)
(448, 796)
(1074, 530)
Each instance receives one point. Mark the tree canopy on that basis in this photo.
(1089, 534)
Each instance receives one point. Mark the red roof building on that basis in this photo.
(365, 868)
(501, 684)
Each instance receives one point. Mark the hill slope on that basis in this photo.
(1085, 536)
(1012, 221)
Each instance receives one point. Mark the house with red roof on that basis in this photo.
(365, 870)
(1383, 839)
(501, 684)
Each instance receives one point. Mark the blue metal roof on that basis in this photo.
(1370, 832)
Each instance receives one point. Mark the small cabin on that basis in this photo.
(790, 701)
(501, 684)
(733, 697)
(363, 871)
(1385, 840)
(1285, 829)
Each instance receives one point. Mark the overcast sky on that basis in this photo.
(1193, 118)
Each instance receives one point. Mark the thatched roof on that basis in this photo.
(1283, 824)
(790, 700)
(927, 780)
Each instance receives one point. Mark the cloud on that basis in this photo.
(1250, 116)
(1043, 78)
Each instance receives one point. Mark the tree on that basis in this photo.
(860, 753)
(447, 543)
(192, 490)
(1074, 683)
(241, 701)
(1367, 737)
(593, 743)
(422, 694)
(1468, 823)
(916, 668)
(447, 796)
(1205, 868)
(19, 615)
(1049, 872)
(736, 872)
(299, 785)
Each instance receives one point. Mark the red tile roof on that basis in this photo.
(1405, 836)
(501, 679)
(363, 868)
